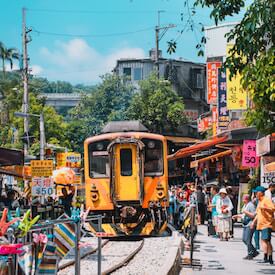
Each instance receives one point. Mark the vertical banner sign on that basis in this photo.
(223, 113)
(249, 158)
(212, 81)
(214, 119)
(236, 95)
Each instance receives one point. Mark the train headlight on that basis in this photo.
(94, 193)
(160, 194)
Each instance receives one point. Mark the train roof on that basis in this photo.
(124, 126)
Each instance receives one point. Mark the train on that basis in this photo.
(126, 180)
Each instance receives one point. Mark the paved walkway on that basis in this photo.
(223, 258)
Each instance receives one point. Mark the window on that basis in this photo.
(99, 159)
(127, 71)
(153, 164)
(126, 162)
(199, 84)
(137, 74)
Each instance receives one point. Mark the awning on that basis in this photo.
(215, 156)
(11, 157)
(185, 152)
(175, 139)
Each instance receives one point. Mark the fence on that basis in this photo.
(48, 227)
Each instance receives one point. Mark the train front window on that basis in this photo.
(153, 164)
(99, 159)
(126, 168)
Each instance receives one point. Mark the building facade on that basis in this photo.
(188, 79)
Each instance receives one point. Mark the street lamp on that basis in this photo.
(41, 129)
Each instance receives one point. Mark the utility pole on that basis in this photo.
(25, 69)
(159, 36)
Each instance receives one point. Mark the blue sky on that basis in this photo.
(80, 59)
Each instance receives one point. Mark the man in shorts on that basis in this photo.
(264, 219)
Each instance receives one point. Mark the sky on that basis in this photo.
(77, 41)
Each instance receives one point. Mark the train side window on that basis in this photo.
(126, 166)
(153, 164)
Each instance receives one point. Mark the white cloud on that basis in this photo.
(76, 61)
(36, 69)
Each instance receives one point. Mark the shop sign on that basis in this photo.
(223, 113)
(42, 168)
(204, 123)
(214, 120)
(263, 146)
(236, 95)
(267, 176)
(61, 159)
(212, 81)
(42, 186)
(194, 164)
(73, 160)
(249, 158)
(191, 114)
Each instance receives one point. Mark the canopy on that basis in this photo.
(188, 151)
(10, 157)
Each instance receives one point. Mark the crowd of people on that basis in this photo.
(219, 207)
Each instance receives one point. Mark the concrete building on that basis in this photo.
(188, 78)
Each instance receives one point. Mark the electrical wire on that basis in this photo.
(91, 35)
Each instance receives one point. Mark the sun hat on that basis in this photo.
(259, 189)
(223, 190)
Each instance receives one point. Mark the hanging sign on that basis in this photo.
(267, 175)
(42, 168)
(236, 95)
(212, 81)
(223, 113)
(263, 146)
(61, 159)
(249, 158)
(204, 123)
(214, 119)
(42, 186)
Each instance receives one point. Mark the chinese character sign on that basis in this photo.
(204, 124)
(236, 95)
(249, 158)
(214, 119)
(212, 81)
(223, 112)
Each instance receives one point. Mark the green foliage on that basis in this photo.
(11, 127)
(108, 102)
(8, 54)
(157, 106)
(252, 55)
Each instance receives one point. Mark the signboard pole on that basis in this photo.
(99, 247)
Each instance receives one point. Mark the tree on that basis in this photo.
(12, 127)
(157, 106)
(7, 54)
(252, 55)
(108, 102)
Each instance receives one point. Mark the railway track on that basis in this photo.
(115, 255)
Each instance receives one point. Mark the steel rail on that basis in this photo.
(125, 261)
(72, 262)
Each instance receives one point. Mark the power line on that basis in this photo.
(100, 11)
(91, 35)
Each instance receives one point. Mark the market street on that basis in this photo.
(225, 258)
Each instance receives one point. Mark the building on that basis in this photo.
(188, 79)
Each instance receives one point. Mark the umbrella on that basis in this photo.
(64, 175)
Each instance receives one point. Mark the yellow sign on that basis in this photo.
(236, 95)
(42, 168)
(73, 160)
(61, 159)
(194, 164)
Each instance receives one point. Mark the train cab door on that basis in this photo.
(127, 174)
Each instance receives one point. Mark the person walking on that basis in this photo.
(201, 205)
(224, 207)
(215, 197)
(247, 216)
(264, 220)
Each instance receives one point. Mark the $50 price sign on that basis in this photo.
(42, 186)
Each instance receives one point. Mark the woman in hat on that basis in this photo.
(224, 207)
